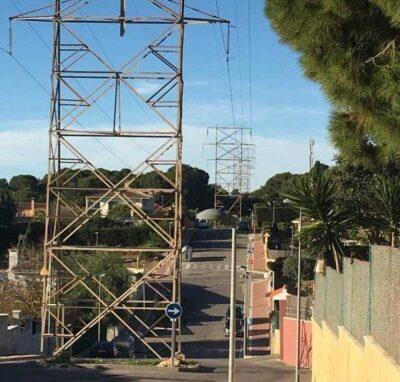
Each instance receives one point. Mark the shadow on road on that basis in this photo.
(33, 372)
(209, 258)
(207, 349)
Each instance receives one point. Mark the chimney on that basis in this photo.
(33, 207)
(16, 314)
(12, 258)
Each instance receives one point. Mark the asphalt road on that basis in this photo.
(206, 288)
(206, 297)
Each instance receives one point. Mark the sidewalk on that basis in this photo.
(258, 328)
(19, 357)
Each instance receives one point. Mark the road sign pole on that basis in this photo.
(245, 314)
(173, 343)
(232, 319)
(173, 312)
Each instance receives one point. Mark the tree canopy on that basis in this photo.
(25, 187)
(314, 196)
(273, 187)
(7, 206)
(350, 48)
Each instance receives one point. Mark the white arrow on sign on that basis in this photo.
(174, 311)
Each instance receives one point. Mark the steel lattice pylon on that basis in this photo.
(233, 164)
(81, 78)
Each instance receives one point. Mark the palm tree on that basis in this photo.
(384, 202)
(313, 194)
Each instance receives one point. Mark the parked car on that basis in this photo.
(125, 345)
(104, 349)
(243, 226)
(202, 224)
(239, 322)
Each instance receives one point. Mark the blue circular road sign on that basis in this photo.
(173, 310)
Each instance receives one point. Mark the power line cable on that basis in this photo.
(226, 49)
(250, 65)
(239, 60)
(48, 93)
(29, 73)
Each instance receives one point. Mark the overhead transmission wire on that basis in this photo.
(48, 93)
(239, 59)
(228, 66)
(32, 76)
(102, 49)
(250, 62)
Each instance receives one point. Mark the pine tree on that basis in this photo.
(350, 48)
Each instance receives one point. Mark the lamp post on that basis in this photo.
(292, 241)
(253, 223)
(273, 211)
(297, 371)
(298, 329)
(232, 312)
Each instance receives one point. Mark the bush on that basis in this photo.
(264, 214)
(289, 269)
(112, 233)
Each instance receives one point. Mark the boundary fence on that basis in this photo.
(364, 298)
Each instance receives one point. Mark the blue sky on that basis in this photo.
(288, 110)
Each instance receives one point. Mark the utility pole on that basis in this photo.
(273, 211)
(232, 312)
(298, 328)
(311, 144)
(86, 84)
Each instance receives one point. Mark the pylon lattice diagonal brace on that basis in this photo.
(82, 78)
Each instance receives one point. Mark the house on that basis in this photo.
(284, 327)
(142, 201)
(29, 209)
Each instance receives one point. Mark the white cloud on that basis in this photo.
(272, 155)
(23, 149)
(148, 88)
(291, 110)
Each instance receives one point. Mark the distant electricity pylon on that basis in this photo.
(84, 79)
(233, 165)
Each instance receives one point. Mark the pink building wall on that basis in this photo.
(288, 341)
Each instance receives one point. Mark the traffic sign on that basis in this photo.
(173, 311)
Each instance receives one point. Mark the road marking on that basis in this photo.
(207, 267)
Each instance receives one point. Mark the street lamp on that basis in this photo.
(297, 377)
(253, 225)
(273, 211)
(98, 325)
